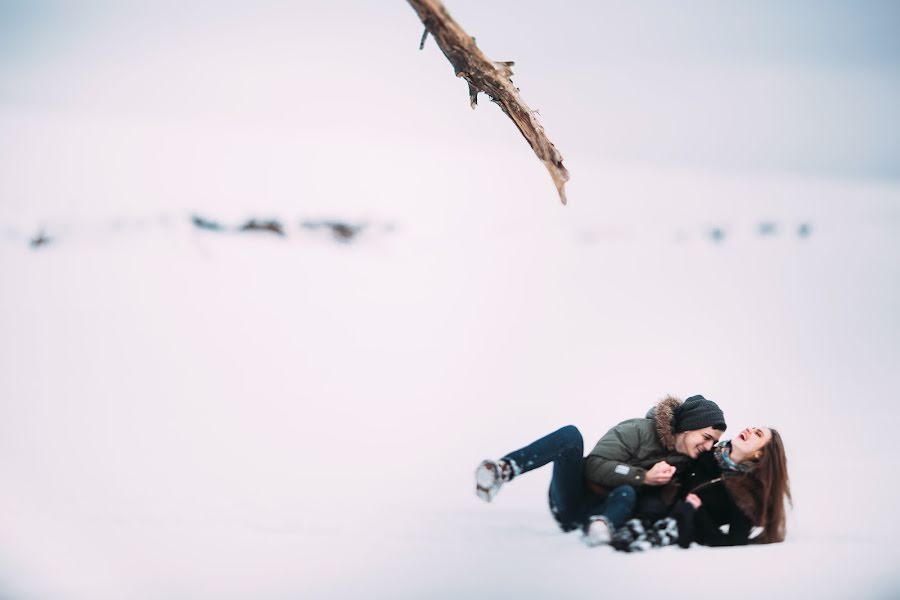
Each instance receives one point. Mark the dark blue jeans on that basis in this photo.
(571, 502)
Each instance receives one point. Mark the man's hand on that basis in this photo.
(659, 474)
(694, 500)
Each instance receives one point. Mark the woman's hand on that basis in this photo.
(694, 500)
(659, 474)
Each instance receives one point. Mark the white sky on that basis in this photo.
(808, 87)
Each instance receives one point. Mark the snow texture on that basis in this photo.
(190, 414)
(194, 415)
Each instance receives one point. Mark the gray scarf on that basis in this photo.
(728, 466)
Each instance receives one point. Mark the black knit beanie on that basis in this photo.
(698, 413)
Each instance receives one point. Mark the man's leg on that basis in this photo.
(565, 442)
(616, 508)
(565, 449)
(604, 518)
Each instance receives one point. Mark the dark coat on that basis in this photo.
(726, 501)
(625, 453)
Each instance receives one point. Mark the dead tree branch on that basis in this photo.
(492, 78)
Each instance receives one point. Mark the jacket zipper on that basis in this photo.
(703, 485)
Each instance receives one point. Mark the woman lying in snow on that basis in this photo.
(742, 483)
(597, 493)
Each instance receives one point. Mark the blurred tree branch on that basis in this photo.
(491, 78)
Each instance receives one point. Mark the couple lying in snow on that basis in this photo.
(660, 480)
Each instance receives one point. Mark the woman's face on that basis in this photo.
(751, 440)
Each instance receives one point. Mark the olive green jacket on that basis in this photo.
(625, 453)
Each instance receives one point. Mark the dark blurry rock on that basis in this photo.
(271, 226)
(207, 224)
(41, 239)
(341, 231)
(768, 228)
(804, 230)
(717, 234)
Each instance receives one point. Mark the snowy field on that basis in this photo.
(190, 414)
(198, 415)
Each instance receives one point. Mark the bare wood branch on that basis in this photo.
(424, 37)
(492, 78)
(473, 96)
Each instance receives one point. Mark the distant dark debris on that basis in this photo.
(804, 230)
(341, 231)
(272, 226)
(717, 234)
(41, 239)
(768, 228)
(207, 224)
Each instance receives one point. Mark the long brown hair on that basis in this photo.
(773, 488)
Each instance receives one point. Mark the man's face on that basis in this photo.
(698, 440)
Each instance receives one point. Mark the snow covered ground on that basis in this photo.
(209, 415)
(195, 415)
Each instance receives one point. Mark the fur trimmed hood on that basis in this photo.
(664, 415)
(628, 450)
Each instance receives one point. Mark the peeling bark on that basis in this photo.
(491, 78)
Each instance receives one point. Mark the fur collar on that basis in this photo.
(664, 415)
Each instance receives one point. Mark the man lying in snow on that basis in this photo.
(597, 494)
